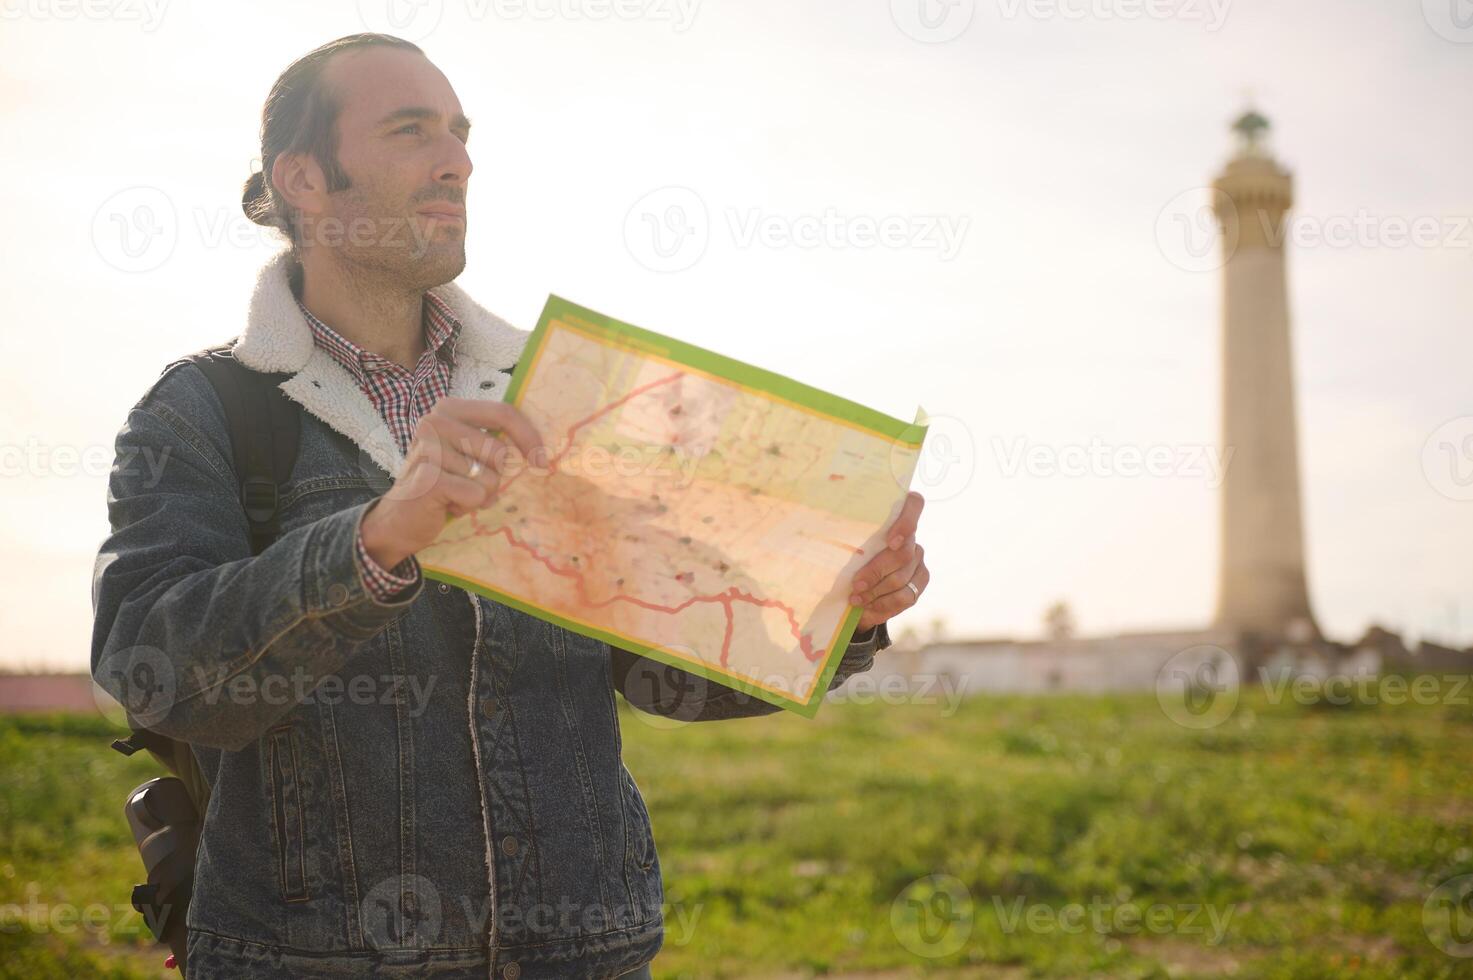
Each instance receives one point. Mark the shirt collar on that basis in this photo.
(441, 331)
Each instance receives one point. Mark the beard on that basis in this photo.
(375, 234)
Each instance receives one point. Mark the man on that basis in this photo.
(406, 778)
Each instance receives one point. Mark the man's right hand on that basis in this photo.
(454, 466)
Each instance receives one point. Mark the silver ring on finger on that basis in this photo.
(914, 591)
(475, 469)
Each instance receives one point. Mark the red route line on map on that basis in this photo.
(725, 598)
(642, 389)
(805, 643)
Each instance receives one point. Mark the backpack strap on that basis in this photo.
(264, 433)
(143, 738)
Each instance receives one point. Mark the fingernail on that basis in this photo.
(860, 585)
(895, 543)
(856, 600)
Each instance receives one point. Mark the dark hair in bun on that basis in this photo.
(300, 116)
(255, 201)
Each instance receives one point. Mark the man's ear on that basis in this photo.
(300, 182)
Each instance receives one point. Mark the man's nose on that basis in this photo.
(456, 164)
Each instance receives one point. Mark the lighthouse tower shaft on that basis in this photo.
(1261, 585)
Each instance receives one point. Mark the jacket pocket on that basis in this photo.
(641, 836)
(286, 813)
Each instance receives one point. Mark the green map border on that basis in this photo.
(645, 341)
(908, 433)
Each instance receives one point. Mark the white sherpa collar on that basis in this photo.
(276, 338)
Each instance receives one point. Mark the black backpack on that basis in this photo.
(166, 813)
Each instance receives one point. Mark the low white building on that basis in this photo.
(1163, 661)
(1128, 662)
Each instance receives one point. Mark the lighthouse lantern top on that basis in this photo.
(1252, 129)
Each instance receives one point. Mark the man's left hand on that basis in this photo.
(880, 587)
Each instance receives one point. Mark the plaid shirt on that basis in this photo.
(402, 397)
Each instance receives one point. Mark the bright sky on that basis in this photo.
(975, 207)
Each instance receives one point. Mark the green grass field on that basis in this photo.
(1050, 837)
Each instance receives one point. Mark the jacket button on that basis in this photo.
(511, 971)
(488, 707)
(444, 587)
(337, 594)
(509, 846)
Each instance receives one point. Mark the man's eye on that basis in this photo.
(403, 129)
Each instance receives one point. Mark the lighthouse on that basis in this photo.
(1261, 582)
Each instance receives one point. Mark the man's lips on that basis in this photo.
(444, 211)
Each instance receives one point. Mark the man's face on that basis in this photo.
(401, 144)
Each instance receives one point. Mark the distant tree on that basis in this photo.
(1058, 621)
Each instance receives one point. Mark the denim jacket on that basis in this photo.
(430, 786)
